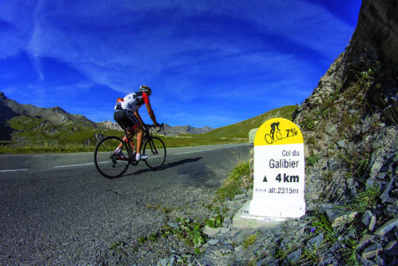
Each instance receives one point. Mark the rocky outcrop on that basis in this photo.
(97, 137)
(109, 125)
(376, 34)
(178, 130)
(350, 128)
(350, 119)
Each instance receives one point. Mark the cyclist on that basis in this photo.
(273, 125)
(127, 116)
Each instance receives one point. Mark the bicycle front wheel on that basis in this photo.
(156, 150)
(107, 163)
(278, 135)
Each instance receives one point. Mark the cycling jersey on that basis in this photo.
(132, 101)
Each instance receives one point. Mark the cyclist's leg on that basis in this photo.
(120, 117)
(139, 130)
(135, 127)
(130, 135)
(127, 120)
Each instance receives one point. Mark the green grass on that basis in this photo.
(241, 129)
(234, 184)
(364, 199)
(250, 240)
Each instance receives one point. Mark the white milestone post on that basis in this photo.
(279, 170)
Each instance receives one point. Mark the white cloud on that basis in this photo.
(184, 49)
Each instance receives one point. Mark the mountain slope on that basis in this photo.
(24, 122)
(168, 130)
(177, 130)
(6, 113)
(241, 129)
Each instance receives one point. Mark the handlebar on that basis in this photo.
(161, 126)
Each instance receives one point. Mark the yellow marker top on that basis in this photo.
(278, 131)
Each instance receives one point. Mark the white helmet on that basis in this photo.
(146, 89)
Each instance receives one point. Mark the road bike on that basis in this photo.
(269, 139)
(112, 165)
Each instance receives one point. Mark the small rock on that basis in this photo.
(387, 227)
(211, 232)
(366, 262)
(224, 230)
(372, 251)
(372, 223)
(379, 260)
(390, 245)
(173, 225)
(316, 241)
(393, 251)
(366, 217)
(240, 197)
(384, 196)
(365, 239)
(336, 216)
(213, 242)
(294, 256)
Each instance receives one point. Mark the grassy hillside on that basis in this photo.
(241, 129)
(39, 135)
(236, 133)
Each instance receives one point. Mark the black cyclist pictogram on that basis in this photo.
(275, 133)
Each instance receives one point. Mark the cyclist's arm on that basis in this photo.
(138, 116)
(151, 113)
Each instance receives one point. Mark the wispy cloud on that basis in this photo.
(184, 49)
(137, 43)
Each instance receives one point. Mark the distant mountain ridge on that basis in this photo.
(168, 130)
(48, 121)
(15, 117)
(177, 130)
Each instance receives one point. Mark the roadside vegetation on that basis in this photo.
(190, 230)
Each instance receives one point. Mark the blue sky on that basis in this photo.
(208, 62)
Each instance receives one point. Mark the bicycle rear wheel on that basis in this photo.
(156, 150)
(107, 163)
(268, 138)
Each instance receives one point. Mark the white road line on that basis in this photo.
(194, 151)
(73, 165)
(13, 170)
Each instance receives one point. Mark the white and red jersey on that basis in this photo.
(133, 101)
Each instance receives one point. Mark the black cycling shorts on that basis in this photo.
(126, 119)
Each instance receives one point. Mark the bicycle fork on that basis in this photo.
(153, 148)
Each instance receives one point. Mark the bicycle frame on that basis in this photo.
(146, 135)
(112, 165)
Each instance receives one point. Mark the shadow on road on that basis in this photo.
(169, 165)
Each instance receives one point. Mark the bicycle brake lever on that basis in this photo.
(161, 126)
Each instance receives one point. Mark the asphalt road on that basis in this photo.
(57, 209)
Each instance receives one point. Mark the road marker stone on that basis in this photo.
(279, 170)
